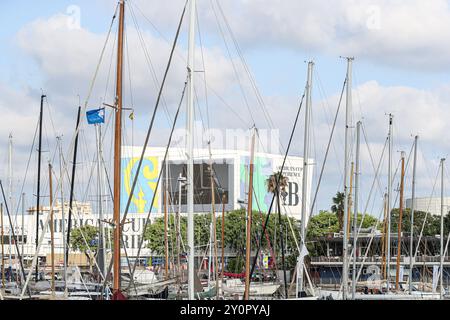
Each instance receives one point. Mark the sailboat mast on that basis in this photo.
(388, 212)
(355, 209)
(383, 238)
(63, 217)
(117, 151)
(178, 231)
(3, 246)
(348, 109)
(214, 224)
(72, 186)
(249, 220)
(400, 216)
(10, 144)
(38, 195)
(190, 150)
(223, 239)
(52, 226)
(23, 223)
(305, 172)
(166, 224)
(441, 270)
(413, 199)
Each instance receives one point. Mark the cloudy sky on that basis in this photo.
(402, 66)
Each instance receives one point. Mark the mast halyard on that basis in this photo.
(117, 154)
(190, 151)
(101, 245)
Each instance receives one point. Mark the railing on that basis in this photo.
(403, 259)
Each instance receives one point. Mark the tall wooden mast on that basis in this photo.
(117, 151)
(249, 221)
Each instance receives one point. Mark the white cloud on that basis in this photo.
(409, 34)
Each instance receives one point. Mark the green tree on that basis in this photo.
(323, 224)
(85, 239)
(431, 227)
(234, 232)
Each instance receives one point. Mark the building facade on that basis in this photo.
(230, 169)
(431, 205)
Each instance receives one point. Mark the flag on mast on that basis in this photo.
(96, 116)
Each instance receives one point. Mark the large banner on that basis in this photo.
(141, 201)
(262, 169)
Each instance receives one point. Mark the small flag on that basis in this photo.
(96, 116)
(131, 116)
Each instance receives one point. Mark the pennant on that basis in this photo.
(96, 116)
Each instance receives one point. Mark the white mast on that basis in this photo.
(441, 270)
(190, 151)
(413, 200)
(389, 202)
(23, 224)
(305, 175)
(63, 224)
(348, 110)
(11, 205)
(355, 209)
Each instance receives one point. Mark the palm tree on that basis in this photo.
(272, 182)
(338, 208)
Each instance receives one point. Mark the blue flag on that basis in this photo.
(96, 116)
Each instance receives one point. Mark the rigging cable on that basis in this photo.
(327, 150)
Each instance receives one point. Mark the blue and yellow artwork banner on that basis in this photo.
(145, 189)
